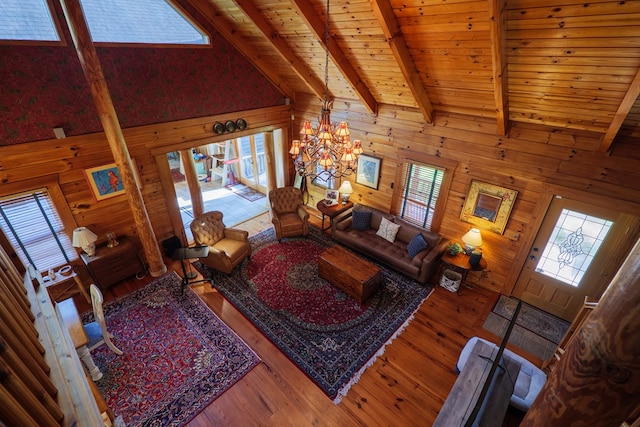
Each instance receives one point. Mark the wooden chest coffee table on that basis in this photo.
(355, 276)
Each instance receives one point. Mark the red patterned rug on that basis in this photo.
(178, 355)
(326, 333)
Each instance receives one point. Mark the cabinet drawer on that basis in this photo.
(111, 265)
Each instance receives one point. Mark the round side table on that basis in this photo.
(460, 263)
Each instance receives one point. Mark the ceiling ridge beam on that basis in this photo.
(393, 34)
(209, 12)
(306, 73)
(498, 18)
(317, 27)
(623, 110)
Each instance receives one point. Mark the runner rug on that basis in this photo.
(326, 333)
(247, 193)
(178, 355)
(535, 331)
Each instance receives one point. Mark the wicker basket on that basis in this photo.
(450, 280)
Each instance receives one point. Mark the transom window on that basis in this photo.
(35, 230)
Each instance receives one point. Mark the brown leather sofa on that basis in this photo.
(393, 254)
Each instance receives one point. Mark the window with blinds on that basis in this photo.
(421, 188)
(34, 228)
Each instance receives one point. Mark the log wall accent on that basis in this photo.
(534, 160)
(601, 362)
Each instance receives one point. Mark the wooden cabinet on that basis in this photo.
(111, 265)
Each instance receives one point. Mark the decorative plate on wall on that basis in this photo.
(231, 126)
(218, 128)
(241, 124)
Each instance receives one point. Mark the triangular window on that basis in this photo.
(140, 21)
(133, 22)
(27, 20)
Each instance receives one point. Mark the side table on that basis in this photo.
(111, 265)
(331, 211)
(460, 263)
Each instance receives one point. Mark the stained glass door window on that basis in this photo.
(572, 246)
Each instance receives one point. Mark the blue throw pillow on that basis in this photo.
(360, 220)
(416, 245)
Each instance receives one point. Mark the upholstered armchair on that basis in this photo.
(288, 214)
(228, 247)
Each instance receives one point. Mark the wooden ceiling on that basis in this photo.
(561, 63)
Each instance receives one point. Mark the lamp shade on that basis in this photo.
(472, 238)
(82, 236)
(346, 188)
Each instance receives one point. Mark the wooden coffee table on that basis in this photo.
(355, 276)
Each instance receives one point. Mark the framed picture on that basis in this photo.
(488, 206)
(331, 197)
(104, 181)
(368, 171)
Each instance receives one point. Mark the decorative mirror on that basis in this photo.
(488, 206)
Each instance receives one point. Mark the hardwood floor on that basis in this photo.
(406, 386)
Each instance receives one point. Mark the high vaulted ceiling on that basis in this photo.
(561, 63)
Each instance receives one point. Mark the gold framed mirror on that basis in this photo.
(488, 206)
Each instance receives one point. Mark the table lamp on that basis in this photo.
(472, 239)
(85, 239)
(345, 191)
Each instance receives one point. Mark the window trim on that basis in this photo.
(449, 166)
(57, 198)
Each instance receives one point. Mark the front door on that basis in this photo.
(577, 251)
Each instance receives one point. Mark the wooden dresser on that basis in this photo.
(111, 265)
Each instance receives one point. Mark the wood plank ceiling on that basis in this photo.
(561, 63)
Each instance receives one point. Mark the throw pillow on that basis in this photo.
(388, 230)
(416, 245)
(360, 220)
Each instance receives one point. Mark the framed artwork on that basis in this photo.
(368, 172)
(104, 181)
(488, 206)
(331, 197)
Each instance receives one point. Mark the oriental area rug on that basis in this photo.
(326, 333)
(178, 355)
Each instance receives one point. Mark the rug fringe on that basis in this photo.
(345, 389)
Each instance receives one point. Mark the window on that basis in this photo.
(140, 21)
(34, 228)
(424, 183)
(422, 186)
(30, 20)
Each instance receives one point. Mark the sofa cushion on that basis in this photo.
(360, 220)
(388, 230)
(416, 245)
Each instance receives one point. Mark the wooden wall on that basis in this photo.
(534, 160)
(28, 165)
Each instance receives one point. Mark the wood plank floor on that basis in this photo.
(406, 386)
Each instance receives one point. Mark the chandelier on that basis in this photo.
(325, 152)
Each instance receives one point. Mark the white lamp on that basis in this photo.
(345, 191)
(472, 239)
(85, 239)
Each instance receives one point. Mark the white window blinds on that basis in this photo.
(421, 188)
(33, 226)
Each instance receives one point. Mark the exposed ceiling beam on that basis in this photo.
(209, 11)
(497, 12)
(395, 39)
(623, 110)
(299, 67)
(309, 14)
